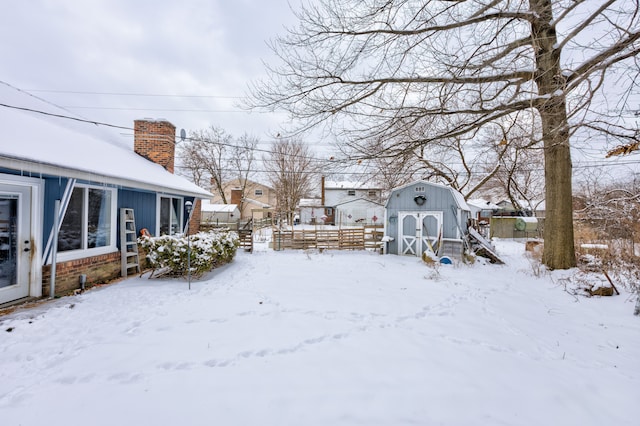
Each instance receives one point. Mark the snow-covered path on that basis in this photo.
(338, 338)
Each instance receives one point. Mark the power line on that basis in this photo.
(155, 95)
(98, 123)
(582, 165)
(152, 109)
(67, 117)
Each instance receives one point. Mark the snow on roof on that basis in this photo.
(348, 185)
(256, 202)
(310, 202)
(483, 204)
(49, 144)
(207, 206)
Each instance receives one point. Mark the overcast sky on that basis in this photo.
(95, 57)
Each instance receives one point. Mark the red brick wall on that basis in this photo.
(194, 224)
(155, 141)
(99, 269)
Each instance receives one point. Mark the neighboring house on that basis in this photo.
(311, 211)
(360, 211)
(334, 194)
(529, 208)
(256, 202)
(417, 214)
(93, 174)
(216, 214)
(482, 210)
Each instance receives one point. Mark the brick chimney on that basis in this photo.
(155, 140)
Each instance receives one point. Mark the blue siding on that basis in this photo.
(142, 201)
(144, 207)
(53, 190)
(143, 204)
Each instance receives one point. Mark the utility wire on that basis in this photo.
(83, 120)
(158, 95)
(98, 123)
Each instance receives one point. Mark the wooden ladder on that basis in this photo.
(128, 241)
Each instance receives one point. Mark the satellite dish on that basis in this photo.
(183, 135)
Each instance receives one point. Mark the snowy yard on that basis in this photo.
(333, 338)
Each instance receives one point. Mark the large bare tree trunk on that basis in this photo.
(559, 250)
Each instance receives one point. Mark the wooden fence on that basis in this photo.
(367, 237)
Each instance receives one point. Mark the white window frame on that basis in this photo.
(63, 256)
(257, 192)
(180, 214)
(351, 192)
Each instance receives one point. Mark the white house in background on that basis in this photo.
(359, 211)
(311, 211)
(335, 193)
(358, 201)
(216, 214)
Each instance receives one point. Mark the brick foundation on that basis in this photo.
(98, 269)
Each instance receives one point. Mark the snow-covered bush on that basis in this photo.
(208, 250)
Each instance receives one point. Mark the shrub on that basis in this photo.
(208, 250)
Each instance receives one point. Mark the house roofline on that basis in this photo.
(43, 168)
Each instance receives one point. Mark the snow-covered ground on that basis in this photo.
(333, 338)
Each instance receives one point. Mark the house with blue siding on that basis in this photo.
(50, 157)
(424, 216)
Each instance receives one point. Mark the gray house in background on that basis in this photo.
(418, 213)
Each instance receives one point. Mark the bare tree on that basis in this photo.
(242, 161)
(206, 154)
(292, 172)
(378, 69)
(520, 172)
(213, 157)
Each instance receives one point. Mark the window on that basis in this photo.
(258, 192)
(89, 221)
(169, 216)
(351, 192)
(419, 188)
(373, 193)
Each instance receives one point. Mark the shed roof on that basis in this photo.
(42, 138)
(457, 196)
